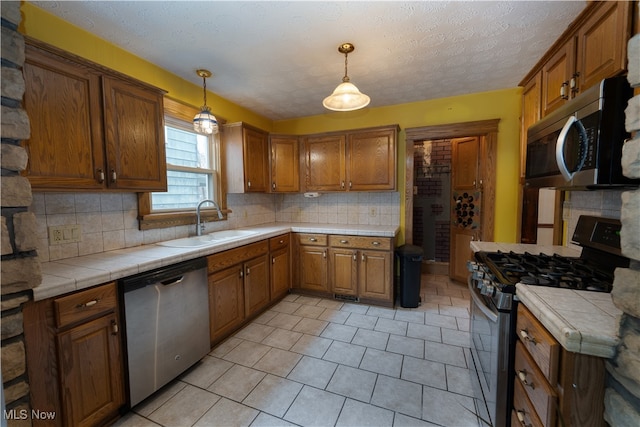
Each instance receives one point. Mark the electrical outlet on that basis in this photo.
(59, 234)
(372, 212)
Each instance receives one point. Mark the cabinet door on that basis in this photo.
(460, 252)
(324, 158)
(465, 155)
(556, 75)
(343, 271)
(226, 302)
(375, 275)
(91, 373)
(313, 268)
(285, 164)
(371, 160)
(602, 43)
(531, 96)
(63, 102)
(256, 285)
(134, 134)
(280, 273)
(255, 160)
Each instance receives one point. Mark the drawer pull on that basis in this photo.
(521, 414)
(344, 242)
(114, 328)
(523, 377)
(525, 336)
(313, 239)
(281, 241)
(375, 243)
(88, 303)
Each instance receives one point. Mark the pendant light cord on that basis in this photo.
(346, 77)
(204, 89)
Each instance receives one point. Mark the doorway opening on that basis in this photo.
(432, 202)
(485, 132)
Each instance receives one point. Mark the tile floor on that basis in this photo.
(319, 362)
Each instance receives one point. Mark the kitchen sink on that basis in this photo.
(207, 239)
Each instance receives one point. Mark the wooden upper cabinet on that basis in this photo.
(465, 155)
(593, 47)
(531, 96)
(246, 165)
(358, 160)
(602, 42)
(91, 128)
(66, 148)
(134, 126)
(285, 163)
(556, 76)
(371, 159)
(324, 161)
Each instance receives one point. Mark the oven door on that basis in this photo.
(492, 332)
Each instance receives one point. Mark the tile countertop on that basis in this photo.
(582, 321)
(72, 274)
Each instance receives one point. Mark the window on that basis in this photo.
(190, 171)
(193, 173)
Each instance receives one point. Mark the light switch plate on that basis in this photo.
(59, 234)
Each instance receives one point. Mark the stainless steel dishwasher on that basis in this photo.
(166, 324)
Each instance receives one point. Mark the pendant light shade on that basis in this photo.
(204, 121)
(346, 97)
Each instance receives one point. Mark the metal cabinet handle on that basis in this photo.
(100, 176)
(114, 328)
(248, 184)
(241, 273)
(573, 83)
(375, 243)
(350, 185)
(114, 176)
(525, 336)
(341, 184)
(273, 260)
(273, 185)
(520, 413)
(281, 241)
(563, 90)
(522, 375)
(313, 239)
(248, 271)
(324, 253)
(364, 258)
(344, 242)
(88, 303)
(355, 256)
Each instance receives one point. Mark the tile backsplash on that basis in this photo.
(604, 203)
(109, 220)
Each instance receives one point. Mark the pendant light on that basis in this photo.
(204, 121)
(346, 97)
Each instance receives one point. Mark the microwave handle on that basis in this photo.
(562, 139)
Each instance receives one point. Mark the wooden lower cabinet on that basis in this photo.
(553, 386)
(74, 357)
(257, 293)
(375, 276)
(346, 267)
(280, 251)
(226, 302)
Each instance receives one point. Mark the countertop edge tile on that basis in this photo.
(72, 274)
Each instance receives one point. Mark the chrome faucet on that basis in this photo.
(200, 226)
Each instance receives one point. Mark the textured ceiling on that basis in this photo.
(280, 59)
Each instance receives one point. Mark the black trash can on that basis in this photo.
(410, 261)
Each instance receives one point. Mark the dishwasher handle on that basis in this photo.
(173, 281)
(168, 275)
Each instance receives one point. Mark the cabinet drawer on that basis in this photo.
(523, 413)
(541, 395)
(540, 344)
(234, 256)
(308, 239)
(360, 242)
(278, 242)
(85, 304)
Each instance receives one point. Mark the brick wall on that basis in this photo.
(622, 396)
(432, 167)
(20, 264)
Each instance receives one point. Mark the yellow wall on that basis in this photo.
(501, 104)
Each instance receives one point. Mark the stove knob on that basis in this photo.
(472, 266)
(489, 290)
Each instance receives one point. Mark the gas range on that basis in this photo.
(592, 271)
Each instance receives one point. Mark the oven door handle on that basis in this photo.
(493, 317)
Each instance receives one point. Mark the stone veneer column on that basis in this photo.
(20, 265)
(622, 396)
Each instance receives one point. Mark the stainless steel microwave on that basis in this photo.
(579, 145)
